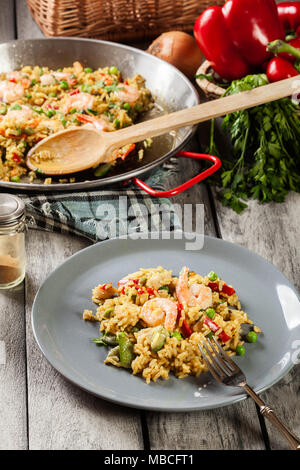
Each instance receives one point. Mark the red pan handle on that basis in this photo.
(172, 192)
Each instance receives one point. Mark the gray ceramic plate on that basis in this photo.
(66, 340)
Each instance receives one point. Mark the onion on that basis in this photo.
(179, 49)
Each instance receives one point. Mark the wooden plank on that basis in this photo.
(13, 413)
(13, 416)
(7, 21)
(233, 427)
(272, 230)
(26, 26)
(61, 416)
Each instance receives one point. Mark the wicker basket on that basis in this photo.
(116, 20)
(210, 89)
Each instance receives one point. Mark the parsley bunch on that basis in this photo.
(265, 159)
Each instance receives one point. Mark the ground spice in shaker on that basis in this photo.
(12, 241)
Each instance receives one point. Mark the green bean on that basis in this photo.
(107, 312)
(102, 170)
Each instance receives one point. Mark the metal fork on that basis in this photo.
(225, 370)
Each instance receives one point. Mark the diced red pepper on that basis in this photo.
(126, 82)
(151, 291)
(179, 308)
(214, 328)
(228, 290)
(16, 158)
(140, 291)
(13, 80)
(214, 286)
(74, 92)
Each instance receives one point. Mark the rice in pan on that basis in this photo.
(153, 321)
(36, 102)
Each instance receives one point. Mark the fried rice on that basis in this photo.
(134, 315)
(36, 102)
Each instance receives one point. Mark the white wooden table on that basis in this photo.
(41, 410)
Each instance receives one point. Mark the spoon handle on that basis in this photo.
(206, 111)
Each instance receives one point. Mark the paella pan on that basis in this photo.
(170, 89)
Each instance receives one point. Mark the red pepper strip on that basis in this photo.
(129, 148)
(74, 92)
(289, 15)
(214, 328)
(279, 69)
(251, 25)
(186, 331)
(214, 286)
(213, 38)
(228, 290)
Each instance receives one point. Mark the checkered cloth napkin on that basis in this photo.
(106, 213)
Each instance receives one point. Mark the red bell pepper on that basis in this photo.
(214, 41)
(186, 330)
(234, 37)
(289, 15)
(252, 25)
(279, 69)
(214, 286)
(228, 290)
(214, 328)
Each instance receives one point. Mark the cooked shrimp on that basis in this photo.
(23, 114)
(77, 67)
(127, 93)
(10, 91)
(79, 101)
(195, 295)
(98, 123)
(48, 79)
(159, 311)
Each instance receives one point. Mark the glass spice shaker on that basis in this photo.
(12, 241)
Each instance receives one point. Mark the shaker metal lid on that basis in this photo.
(11, 208)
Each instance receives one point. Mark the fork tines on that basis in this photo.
(220, 364)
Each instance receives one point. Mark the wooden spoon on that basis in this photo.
(80, 148)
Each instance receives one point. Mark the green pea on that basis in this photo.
(73, 110)
(28, 130)
(16, 107)
(28, 97)
(88, 70)
(164, 288)
(176, 335)
(127, 106)
(64, 85)
(3, 110)
(52, 94)
(59, 70)
(63, 121)
(251, 337)
(117, 123)
(39, 171)
(75, 121)
(50, 113)
(15, 179)
(86, 88)
(114, 70)
(212, 276)
(19, 131)
(33, 82)
(210, 312)
(240, 350)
